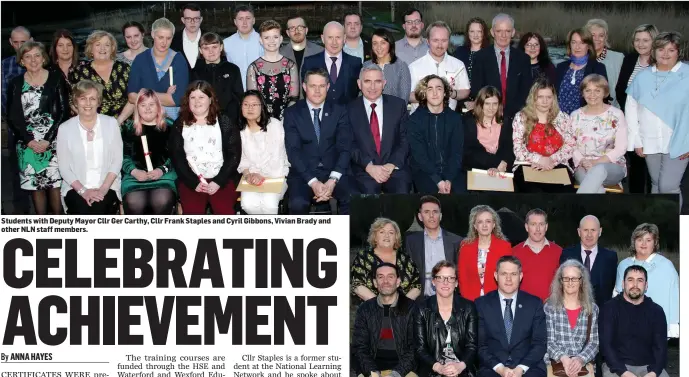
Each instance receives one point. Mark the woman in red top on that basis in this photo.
(543, 137)
(479, 253)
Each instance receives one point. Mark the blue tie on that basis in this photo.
(317, 123)
(508, 318)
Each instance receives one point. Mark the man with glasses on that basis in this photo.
(243, 47)
(299, 47)
(186, 40)
(413, 45)
(383, 336)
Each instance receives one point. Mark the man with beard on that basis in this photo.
(383, 339)
(413, 45)
(633, 331)
(299, 47)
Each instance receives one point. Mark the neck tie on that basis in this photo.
(333, 70)
(503, 76)
(375, 130)
(317, 123)
(508, 318)
(587, 261)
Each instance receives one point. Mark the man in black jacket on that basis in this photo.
(383, 340)
(186, 40)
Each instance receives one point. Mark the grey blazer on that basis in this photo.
(72, 157)
(311, 49)
(414, 245)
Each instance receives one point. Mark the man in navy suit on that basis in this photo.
(342, 68)
(512, 334)
(380, 149)
(601, 262)
(318, 139)
(504, 67)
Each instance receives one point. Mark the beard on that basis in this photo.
(634, 294)
(412, 34)
(298, 38)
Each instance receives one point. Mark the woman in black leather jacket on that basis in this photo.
(439, 354)
(224, 77)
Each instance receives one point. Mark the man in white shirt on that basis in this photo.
(355, 44)
(186, 40)
(243, 47)
(437, 61)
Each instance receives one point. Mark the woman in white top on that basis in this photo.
(89, 149)
(205, 148)
(263, 154)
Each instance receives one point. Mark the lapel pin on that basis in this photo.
(326, 114)
(520, 306)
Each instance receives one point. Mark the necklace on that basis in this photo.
(90, 132)
(659, 84)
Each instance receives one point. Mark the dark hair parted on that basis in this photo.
(386, 264)
(135, 24)
(543, 57)
(585, 38)
(483, 94)
(64, 33)
(485, 41)
(429, 199)
(188, 117)
(440, 265)
(387, 37)
(511, 259)
(243, 8)
(422, 87)
(192, 7)
(411, 11)
(316, 71)
(263, 119)
(351, 13)
(637, 268)
(210, 38)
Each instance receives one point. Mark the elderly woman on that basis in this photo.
(37, 104)
(534, 45)
(542, 137)
(487, 138)
(570, 73)
(133, 33)
(90, 150)
(272, 74)
(657, 116)
(171, 70)
(612, 60)
(148, 181)
(395, 71)
(447, 328)
(600, 133)
(64, 53)
(662, 274)
(113, 75)
(479, 253)
(224, 76)
(205, 147)
(476, 37)
(385, 242)
(572, 321)
(263, 154)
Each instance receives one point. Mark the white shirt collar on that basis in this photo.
(378, 102)
(185, 38)
(312, 106)
(338, 56)
(528, 242)
(674, 69)
(502, 298)
(594, 250)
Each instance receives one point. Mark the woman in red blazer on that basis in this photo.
(479, 253)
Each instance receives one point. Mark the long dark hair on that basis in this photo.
(486, 32)
(263, 119)
(543, 58)
(185, 113)
(383, 33)
(63, 33)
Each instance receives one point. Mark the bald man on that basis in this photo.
(343, 69)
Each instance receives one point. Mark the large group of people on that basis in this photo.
(360, 115)
(438, 304)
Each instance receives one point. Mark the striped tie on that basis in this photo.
(508, 318)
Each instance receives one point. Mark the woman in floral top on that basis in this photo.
(274, 75)
(600, 132)
(542, 137)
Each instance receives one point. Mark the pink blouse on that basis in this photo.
(600, 135)
(489, 137)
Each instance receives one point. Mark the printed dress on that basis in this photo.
(278, 82)
(597, 135)
(365, 262)
(114, 91)
(37, 171)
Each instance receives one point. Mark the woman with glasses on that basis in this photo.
(447, 328)
(572, 321)
(395, 71)
(534, 45)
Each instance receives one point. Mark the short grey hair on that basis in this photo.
(589, 217)
(370, 67)
(601, 24)
(502, 17)
(162, 23)
(21, 29)
(333, 23)
(438, 24)
(662, 40)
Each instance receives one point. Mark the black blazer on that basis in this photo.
(486, 71)
(603, 271)
(393, 147)
(529, 339)
(592, 66)
(178, 45)
(475, 154)
(226, 80)
(305, 152)
(416, 248)
(626, 71)
(54, 101)
(345, 89)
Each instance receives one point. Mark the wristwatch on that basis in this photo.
(82, 190)
(335, 178)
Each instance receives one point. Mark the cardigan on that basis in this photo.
(613, 64)
(143, 75)
(591, 67)
(626, 70)
(467, 267)
(271, 162)
(475, 154)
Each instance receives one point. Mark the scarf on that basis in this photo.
(579, 60)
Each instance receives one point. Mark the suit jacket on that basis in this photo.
(414, 244)
(393, 145)
(311, 49)
(475, 154)
(528, 342)
(345, 89)
(603, 271)
(592, 66)
(628, 65)
(485, 71)
(304, 151)
(177, 44)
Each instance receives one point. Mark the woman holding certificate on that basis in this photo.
(263, 154)
(148, 180)
(205, 148)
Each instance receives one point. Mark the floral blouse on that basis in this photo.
(278, 82)
(600, 135)
(114, 91)
(364, 265)
(559, 146)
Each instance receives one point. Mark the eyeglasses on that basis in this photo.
(251, 105)
(445, 279)
(532, 45)
(193, 19)
(413, 22)
(293, 28)
(573, 280)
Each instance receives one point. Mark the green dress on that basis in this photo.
(133, 158)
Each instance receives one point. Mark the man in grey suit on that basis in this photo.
(432, 245)
(298, 47)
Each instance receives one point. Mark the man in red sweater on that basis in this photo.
(540, 258)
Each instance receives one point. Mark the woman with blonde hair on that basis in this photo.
(384, 245)
(572, 322)
(612, 60)
(479, 253)
(542, 137)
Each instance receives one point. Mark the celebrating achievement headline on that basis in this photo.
(149, 299)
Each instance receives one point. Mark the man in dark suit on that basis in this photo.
(504, 67)
(318, 139)
(299, 47)
(512, 334)
(342, 68)
(432, 245)
(186, 41)
(380, 150)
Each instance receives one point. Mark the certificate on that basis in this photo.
(557, 176)
(479, 180)
(269, 185)
(147, 154)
